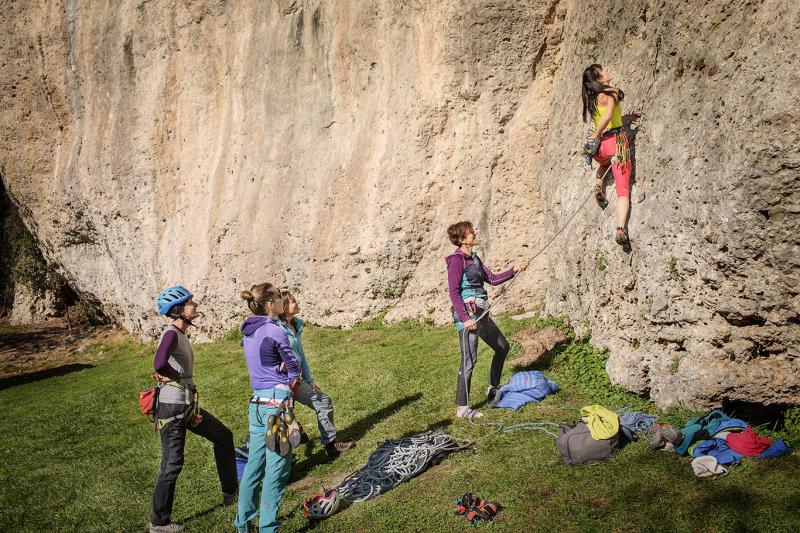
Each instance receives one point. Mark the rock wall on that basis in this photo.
(320, 145)
(326, 146)
(706, 305)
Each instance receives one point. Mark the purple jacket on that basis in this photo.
(266, 346)
(457, 262)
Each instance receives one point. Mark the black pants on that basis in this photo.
(468, 342)
(173, 439)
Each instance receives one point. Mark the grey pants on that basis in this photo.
(468, 340)
(322, 404)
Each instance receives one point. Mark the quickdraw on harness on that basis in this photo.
(475, 509)
(623, 149)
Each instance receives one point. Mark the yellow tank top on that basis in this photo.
(616, 116)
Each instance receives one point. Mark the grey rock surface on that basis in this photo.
(713, 311)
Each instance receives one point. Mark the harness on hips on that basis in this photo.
(191, 400)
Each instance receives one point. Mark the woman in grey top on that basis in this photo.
(177, 411)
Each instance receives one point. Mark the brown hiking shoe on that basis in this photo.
(336, 447)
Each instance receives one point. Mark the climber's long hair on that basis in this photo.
(591, 87)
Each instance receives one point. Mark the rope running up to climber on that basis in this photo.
(504, 290)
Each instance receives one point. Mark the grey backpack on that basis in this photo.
(576, 445)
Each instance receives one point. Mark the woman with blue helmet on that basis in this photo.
(177, 411)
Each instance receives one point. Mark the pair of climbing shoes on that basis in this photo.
(475, 509)
(283, 432)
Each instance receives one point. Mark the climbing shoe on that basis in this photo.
(272, 433)
(335, 448)
(294, 431)
(622, 236)
(491, 393)
(475, 509)
(489, 507)
(228, 499)
(167, 528)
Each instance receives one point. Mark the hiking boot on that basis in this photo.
(491, 393)
(168, 528)
(228, 499)
(335, 448)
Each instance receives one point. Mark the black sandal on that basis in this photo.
(622, 236)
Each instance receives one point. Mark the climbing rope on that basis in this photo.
(504, 290)
(398, 460)
(500, 428)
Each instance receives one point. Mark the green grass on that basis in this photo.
(77, 456)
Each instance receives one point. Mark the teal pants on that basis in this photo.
(265, 475)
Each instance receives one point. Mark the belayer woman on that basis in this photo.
(308, 393)
(177, 411)
(267, 352)
(466, 275)
(602, 103)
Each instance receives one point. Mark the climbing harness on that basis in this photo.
(503, 290)
(191, 400)
(398, 460)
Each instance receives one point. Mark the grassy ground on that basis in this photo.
(77, 456)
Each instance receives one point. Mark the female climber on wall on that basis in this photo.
(466, 275)
(602, 103)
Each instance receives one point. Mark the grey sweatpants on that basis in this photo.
(323, 405)
(468, 341)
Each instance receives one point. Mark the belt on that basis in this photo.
(613, 131)
(271, 402)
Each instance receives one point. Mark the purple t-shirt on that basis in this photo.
(457, 262)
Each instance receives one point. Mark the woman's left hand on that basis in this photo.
(522, 265)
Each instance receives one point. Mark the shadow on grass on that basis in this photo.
(353, 432)
(30, 377)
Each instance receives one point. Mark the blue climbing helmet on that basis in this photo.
(171, 297)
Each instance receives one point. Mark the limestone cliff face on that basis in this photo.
(325, 146)
(706, 306)
(320, 145)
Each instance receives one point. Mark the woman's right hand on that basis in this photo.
(471, 325)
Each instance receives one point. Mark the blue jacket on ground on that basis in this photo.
(719, 450)
(266, 346)
(525, 387)
(705, 427)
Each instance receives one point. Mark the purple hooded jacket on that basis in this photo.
(266, 346)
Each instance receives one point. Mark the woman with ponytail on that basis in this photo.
(602, 103)
(308, 393)
(267, 353)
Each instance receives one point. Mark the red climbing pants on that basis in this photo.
(612, 144)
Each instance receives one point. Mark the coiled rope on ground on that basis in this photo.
(398, 460)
